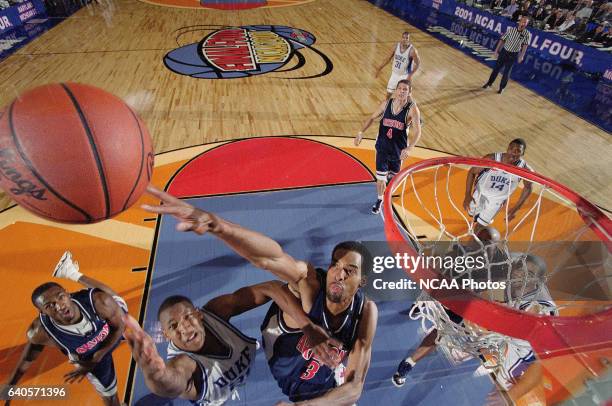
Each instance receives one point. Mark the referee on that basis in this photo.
(515, 42)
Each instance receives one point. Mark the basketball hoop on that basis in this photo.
(428, 202)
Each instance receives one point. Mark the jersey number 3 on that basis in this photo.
(311, 371)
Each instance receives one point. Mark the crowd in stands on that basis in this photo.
(8, 3)
(586, 21)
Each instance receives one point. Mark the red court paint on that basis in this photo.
(264, 164)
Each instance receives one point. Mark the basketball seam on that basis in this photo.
(141, 159)
(93, 146)
(30, 166)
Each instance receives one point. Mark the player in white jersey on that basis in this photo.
(208, 357)
(404, 54)
(519, 371)
(494, 187)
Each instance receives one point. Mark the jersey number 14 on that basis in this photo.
(497, 185)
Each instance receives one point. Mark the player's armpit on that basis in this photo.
(242, 300)
(108, 309)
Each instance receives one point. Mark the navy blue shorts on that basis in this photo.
(103, 376)
(387, 165)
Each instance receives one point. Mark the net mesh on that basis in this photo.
(552, 255)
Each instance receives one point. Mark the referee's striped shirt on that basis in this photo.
(514, 39)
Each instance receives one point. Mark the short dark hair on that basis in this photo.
(355, 246)
(171, 301)
(521, 142)
(406, 82)
(42, 289)
(405, 32)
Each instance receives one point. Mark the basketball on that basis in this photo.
(73, 153)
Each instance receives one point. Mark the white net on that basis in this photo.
(544, 257)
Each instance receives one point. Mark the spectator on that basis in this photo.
(608, 39)
(604, 12)
(586, 11)
(522, 12)
(540, 14)
(498, 4)
(554, 20)
(596, 35)
(579, 27)
(569, 22)
(510, 9)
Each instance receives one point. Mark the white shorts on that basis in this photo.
(484, 208)
(393, 81)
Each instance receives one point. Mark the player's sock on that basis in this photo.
(67, 268)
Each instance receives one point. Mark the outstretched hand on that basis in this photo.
(78, 373)
(190, 218)
(143, 348)
(324, 347)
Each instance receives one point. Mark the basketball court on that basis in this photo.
(273, 151)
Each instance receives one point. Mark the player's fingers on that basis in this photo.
(163, 196)
(184, 226)
(164, 209)
(334, 341)
(323, 355)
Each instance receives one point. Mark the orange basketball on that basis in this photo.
(73, 153)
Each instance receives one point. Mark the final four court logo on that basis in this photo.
(237, 52)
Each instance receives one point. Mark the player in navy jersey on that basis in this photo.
(85, 325)
(334, 300)
(396, 117)
(207, 356)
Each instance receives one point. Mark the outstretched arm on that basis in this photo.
(249, 297)
(375, 116)
(37, 340)
(527, 189)
(417, 63)
(168, 380)
(358, 363)
(260, 250)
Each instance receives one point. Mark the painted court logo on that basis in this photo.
(236, 52)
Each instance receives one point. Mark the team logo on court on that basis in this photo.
(237, 52)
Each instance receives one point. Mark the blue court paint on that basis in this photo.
(584, 94)
(307, 223)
